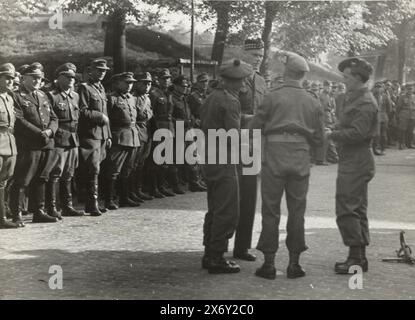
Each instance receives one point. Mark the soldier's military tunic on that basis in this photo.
(66, 107)
(291, 122)
(144, 116)
(221, 110)
(250, 97)
(195, 100)
(162, 109)
(406, 118)
(8, 149)
(122, 111)
(182, 112)
(35, 159)
(358, 124)
(93, 131)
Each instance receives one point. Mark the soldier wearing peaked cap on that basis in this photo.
(65, 103)
(36, 125)
(162, 118)
(250, 97)
(358, 124)
(120, 162)
(198, 95)
(94, 132)
(405, 113)
(8, 148)
(143, 158)
(221, 110)
(291, 122)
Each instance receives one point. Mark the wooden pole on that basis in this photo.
(192, 43)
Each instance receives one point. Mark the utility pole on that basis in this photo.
(192, 43)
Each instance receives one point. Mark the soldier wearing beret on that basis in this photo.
(8, 149)
(94, 132)
(162, 118)
(291, 122)
(358, 125)
(222, 110)
(182, 112)
(405, 111)
(36, 125)
(65, 104)
(120, 162)
(145, 115)
(251, 96)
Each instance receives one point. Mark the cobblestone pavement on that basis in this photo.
(153, 252)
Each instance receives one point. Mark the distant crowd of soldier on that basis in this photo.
(396, 105)
(67, 134)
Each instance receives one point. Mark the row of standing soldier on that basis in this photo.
(48, 138)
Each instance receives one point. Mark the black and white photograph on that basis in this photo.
(223, 151)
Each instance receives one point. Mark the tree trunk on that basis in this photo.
(270, 14)
(402, 35)
(119, 42)
(222, 29)
(380, 66)
(109, 37)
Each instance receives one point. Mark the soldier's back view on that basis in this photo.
(291, 121)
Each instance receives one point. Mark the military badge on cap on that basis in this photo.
(144, 76)
(358, 66)
(35, 69)
(164, 73)
(67, 69)
(124, 76)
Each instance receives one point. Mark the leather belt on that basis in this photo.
(286, 137)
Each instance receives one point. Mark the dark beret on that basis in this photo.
(357, 65)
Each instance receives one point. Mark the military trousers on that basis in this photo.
(286, 168)
(120, 162)
(33, 165)
(223, 213)
(91, 154)
(67, 162)
(248, 195)
(7, 164)
(356, 169)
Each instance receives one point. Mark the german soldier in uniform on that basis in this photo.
(358, 124)
(8, 149)
(145, 114)
(198, 96)
(405, 111)
(251, 97)
(65, 104)
(291, 122)
(122, 112)
(94, 132)
(222, 110)
(182, 112)
(163, 119)
(36, 124)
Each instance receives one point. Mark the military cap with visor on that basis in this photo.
(164, 73)
(100, 64)
(124, 76)
(144, 77)
(34, 69)
(181, 80)
(8, 70)
(68, 69)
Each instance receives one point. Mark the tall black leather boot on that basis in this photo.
(91, 202)
(51, 207)
(109, 195)
(4, 224)
(125, 200)
(39, 215)
(65, 191)
(17, 199)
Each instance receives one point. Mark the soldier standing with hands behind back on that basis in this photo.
(291, 121)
